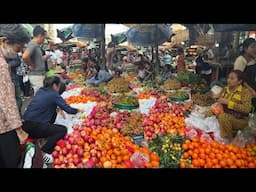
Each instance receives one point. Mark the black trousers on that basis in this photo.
(24, 86)
(10, 150)
(52, 132)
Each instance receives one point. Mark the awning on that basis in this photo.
(234, 27)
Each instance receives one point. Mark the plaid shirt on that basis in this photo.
(9, 114)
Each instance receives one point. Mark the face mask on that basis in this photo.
(9, 53)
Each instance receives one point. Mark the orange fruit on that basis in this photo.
(195, 163)
(182, 164)
(185, 146)
(107, 164)
(185, 155)
(154, 157)
(155, 164)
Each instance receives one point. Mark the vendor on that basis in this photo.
(99, 76)
(38, 116)
(180, 60)
(246, 63)
(236, 101)
(167, 74)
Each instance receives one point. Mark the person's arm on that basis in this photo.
(243, 106)
(27, 55)
(61, 103)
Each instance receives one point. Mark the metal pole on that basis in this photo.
(103, 50)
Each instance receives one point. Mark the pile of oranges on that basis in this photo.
(215, 155)
(79, 99)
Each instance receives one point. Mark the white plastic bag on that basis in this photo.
(146, 104)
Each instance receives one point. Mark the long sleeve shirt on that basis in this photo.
(44, 104)
(9, 113)
(103, 76)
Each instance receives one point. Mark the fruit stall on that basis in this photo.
(129, 125)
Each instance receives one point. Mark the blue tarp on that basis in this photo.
(88, 31)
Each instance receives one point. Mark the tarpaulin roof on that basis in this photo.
(234, 27)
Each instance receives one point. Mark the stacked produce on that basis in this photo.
(171, 84)
(203, 99)
(214, 155)
(118, 85)
(93, 93)
(163, 123)
(133, 126)
(125, 100)
(87, 148)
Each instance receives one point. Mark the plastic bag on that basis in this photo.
(191, 133)
(139, 159)
(206, 137)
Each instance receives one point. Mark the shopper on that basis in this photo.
(40, 112)
(33, 57)
(12, 39)
(246, 63)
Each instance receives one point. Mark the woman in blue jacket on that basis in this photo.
(38, 116)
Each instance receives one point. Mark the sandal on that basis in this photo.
(48, 158)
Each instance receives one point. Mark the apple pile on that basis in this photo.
(161, 106)
(179, 108)
(163, 123)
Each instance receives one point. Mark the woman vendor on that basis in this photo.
(236, 101)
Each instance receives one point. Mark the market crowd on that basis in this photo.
(24, 62)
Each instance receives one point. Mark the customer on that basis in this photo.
(33, 57)
(12, 39)
(40, 112)
(236, 102)
(246, 63)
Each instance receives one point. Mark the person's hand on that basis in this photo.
(22, 135)
(222, 101)
(80, 110)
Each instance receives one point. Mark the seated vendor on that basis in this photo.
(236, 101)
(99, 76)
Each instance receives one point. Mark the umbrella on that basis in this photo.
(88, 31)
(149, 34)
(118, 38)
(234, 27)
